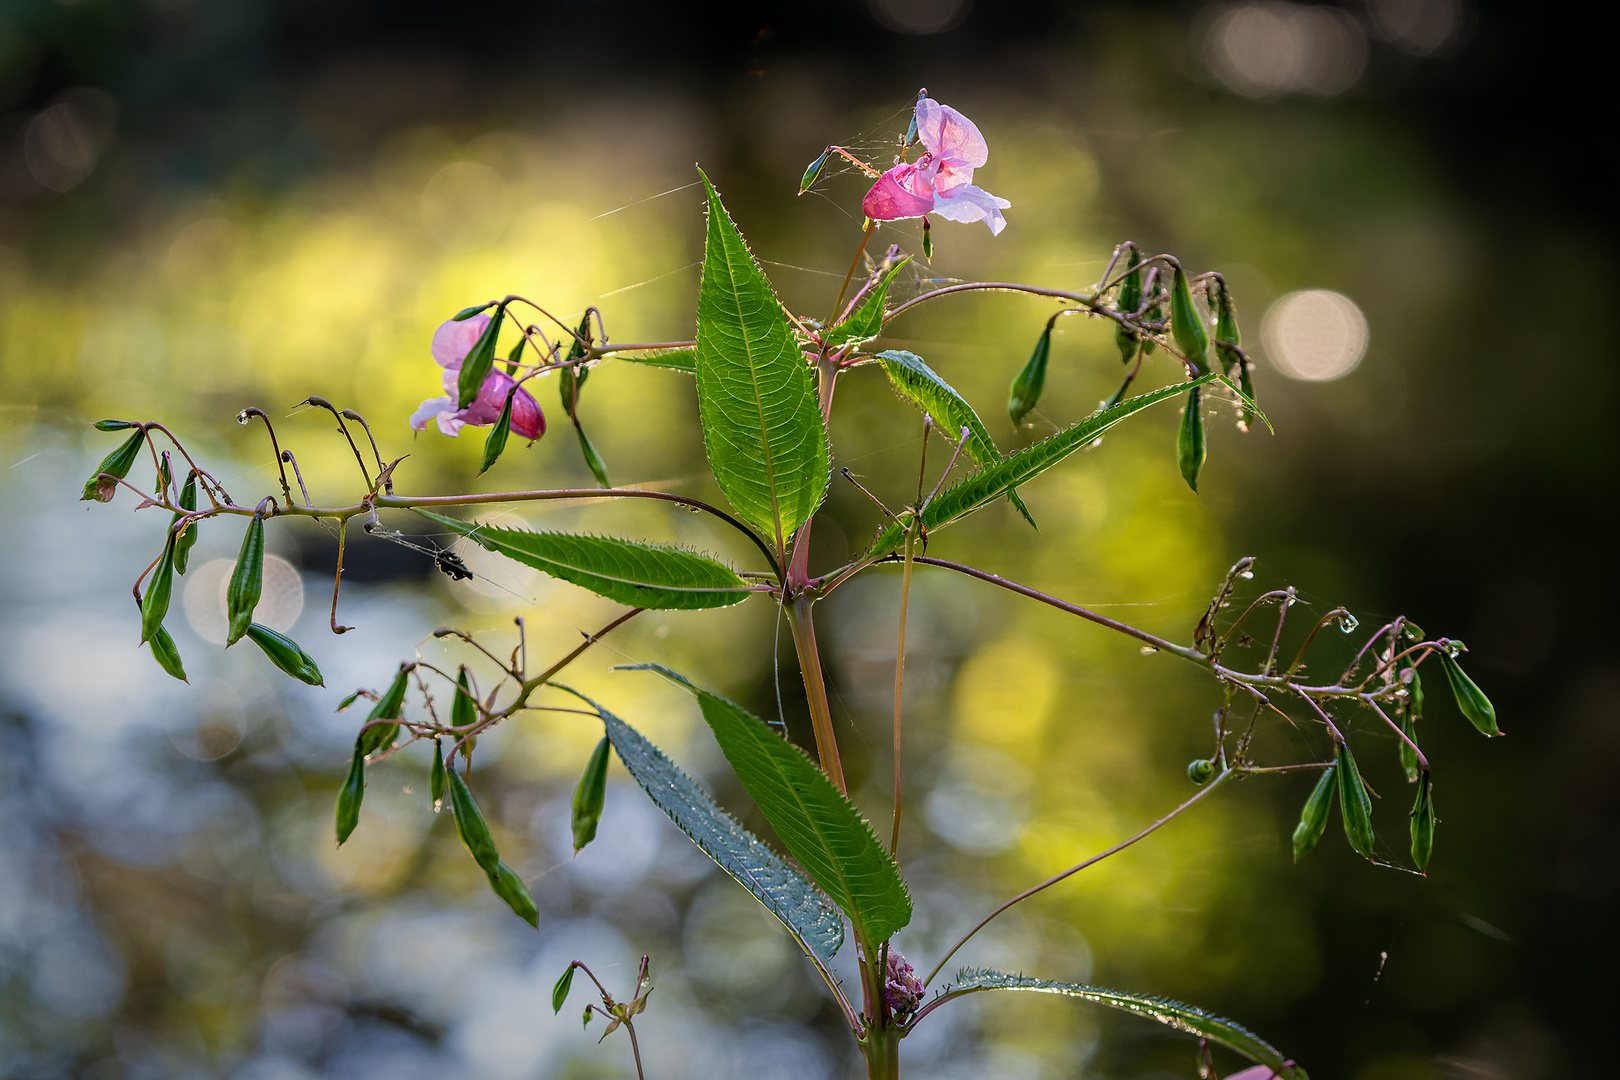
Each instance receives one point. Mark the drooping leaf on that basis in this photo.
(183, 543)
(155, 602)
(495, 441)
(1423, 824)
(377, 737)
(479, 361)
(589, 797)
(761, 416)
(1187, 1018)
(1025, 392)
(1313, 817)
(673, 359)
(819, 825)
(1186, 325)
(866, 321)
(1017, 468)
(559, 993)
(118, 463)
(1355, 806)
(806, 912)
(1191, 447)
(639, 575)
(1471, 700)
(284, 652)
(247, 581)
(351, 795)
(167, 655)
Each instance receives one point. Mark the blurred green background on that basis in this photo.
(210, 204)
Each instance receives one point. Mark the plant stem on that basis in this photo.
(900, 681)
(881, 1048)
(815, 689)
(635, 1048)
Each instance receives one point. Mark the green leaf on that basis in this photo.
(1313, 817)
(1187, 1018)
(118, 463)
(812, 172)
(1186, 325)
(167, 655)
(639, 575)
(757, 399)
(436, 777)
(959, 500)
(1423, 824)
(589, 796)
(819, 825)
(866, 321)
(184, 542)
(1355, 806)
(1191, 448)
(284, 652)
(155, 603)
(388, 707)
(673, 359)
(559, 993)
(247, 581)
(479, 361)
(917, 383)
(808, 915)
(495, 441)
(351, 794)
(1027, 385)
(1471, 700)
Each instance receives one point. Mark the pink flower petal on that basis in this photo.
(902, 192)
(432, 407)
(1254, 1072)
(969, 203)
(946, 133)
(452, 341)
(527, 419)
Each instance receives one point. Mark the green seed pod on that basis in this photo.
(470, 824)
(436, 778)
(351, 794)
(1470, 699)
(1154, 314)
(1186, 326)
(1191, 447)
(559, 993)
(1130, 298)
(1227, 336)
(589, 796)
(247, 581)
(468, 312)
(928, 242)
(155, 604)
(1423, 824)
(813, 172)
(1355, 807)
(284, 652)
(593, 460)
(164, 476)
(118, 463)
(381, 736)
(464, 708)
(1313, 818)
(1200, 770)
(509, 887)
(184, 542)
(495, 442)
(479, 361)
(114, 425)
(1409, 758)
(587, 1021)
(1026, 388)
(167, 656)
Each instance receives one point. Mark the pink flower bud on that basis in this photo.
(901, 987)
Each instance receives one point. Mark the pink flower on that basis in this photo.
(1255, 1072)
(451, 344)
(939, 182)
(901, 987)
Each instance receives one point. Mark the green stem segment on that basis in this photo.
(815, 689)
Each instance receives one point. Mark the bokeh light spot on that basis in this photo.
(1315, 335)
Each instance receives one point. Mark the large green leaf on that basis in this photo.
(636, 574)
(1186, 1018)
(961, 499)
(808, 915)
(761, 417)
(866, 321)
(819, 825)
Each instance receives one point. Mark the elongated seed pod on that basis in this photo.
(1471, 700)
(1355, 807)
(510, 888)
(376, 737)
(559, 992)
(155, 603)
(436, 778)
(480, 359)
(284, 652)
(1186, 325)
(118, 463)
(183, 543)
(351, 794)
(1191, 445)
(167, 656)
(470, 824)
(495, 441)
(589, 797)
(247, 581)
(1423, 824)
(1130, 298)
(1026, 388)
(1313, 817)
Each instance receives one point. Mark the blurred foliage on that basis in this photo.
(291, 199)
